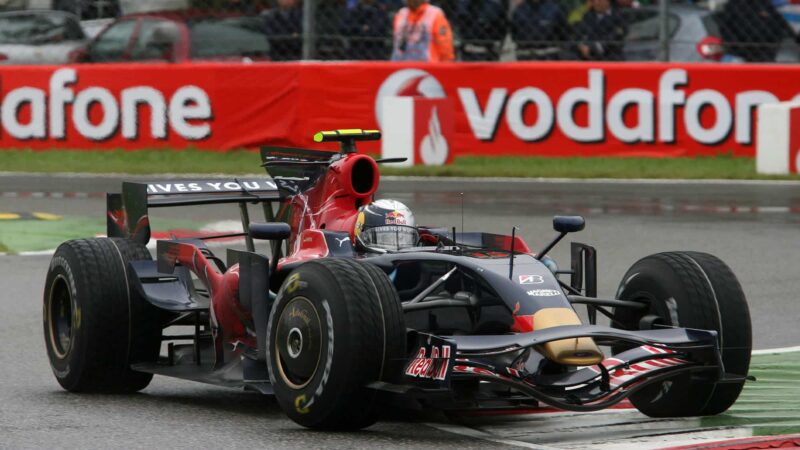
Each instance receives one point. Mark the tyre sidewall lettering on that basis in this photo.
(305, 401)
(357, 308)
(61, 268)
(685, 287)
(93, 272)
(649, 281)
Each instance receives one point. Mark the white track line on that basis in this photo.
(38, 253)
(477, 434)
(776, 351)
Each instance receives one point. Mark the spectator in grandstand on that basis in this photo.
(481, 27)
(753, 29)
(245, 7)
(627, 4)
(539, 28)
(284, 29)
(329, 43)
(88, 9)
(391, 6)
(601, 33)
(422, 33)
(366, 28)
(576, 14)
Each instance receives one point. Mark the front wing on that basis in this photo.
(437, 362)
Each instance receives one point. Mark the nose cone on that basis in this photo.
(575, 351)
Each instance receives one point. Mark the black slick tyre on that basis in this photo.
(95, 325)
(335, 327)
(691, 290)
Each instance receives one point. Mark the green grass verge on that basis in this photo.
(17, 236)
(243, 161)
(770, 405)
(134, 162)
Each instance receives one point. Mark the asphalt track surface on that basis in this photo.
(754, 227)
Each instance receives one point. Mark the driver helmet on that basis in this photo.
(386, 225)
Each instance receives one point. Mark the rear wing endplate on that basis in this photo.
(127, 212)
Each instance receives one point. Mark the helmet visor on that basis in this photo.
(390, 237)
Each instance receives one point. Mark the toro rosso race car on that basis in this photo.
(356, 308)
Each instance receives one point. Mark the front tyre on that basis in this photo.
(335, 327)
(95, 326)
(689, 290)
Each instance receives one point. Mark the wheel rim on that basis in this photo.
(658, 314)
(60, 317)
(298, 342)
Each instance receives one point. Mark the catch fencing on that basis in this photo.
(490, 30)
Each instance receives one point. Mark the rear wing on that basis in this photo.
(293, 171)
(127, 212)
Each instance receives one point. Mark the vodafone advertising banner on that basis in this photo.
(551, 109)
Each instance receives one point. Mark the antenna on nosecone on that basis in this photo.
(462, 212)
(511, 262)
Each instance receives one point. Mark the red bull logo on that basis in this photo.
(395, 218)
(433, 367)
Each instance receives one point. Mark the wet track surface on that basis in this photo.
(754, 227)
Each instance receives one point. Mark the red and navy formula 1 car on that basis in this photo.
(355, 307)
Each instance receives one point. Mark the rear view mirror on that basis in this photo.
(568, 224)
(564, 225)
(274, 231)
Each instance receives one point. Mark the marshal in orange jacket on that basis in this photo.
(422, 34)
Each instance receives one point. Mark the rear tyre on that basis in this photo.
(691, 290)
(335, 327)
(95, 325)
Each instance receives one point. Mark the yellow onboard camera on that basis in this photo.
(347, 137)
